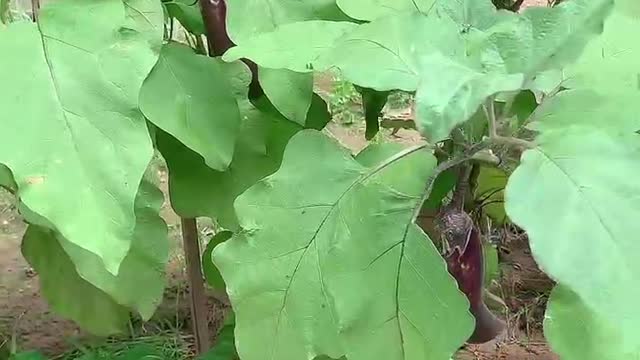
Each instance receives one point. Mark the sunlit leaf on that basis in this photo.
(372, 9)
(575, 332)
(197, 190)
(189, 96)
(329, 262)
(77, 117)
(575, 194)
(292, 46)
(275, 14)
(611, 61)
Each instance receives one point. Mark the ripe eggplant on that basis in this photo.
(464, 257)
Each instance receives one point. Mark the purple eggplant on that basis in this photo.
(465, 262)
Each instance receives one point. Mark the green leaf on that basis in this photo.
(373, 9)
(188, 13)
(630, 8)
(275, 14)
(383, 54)
(5, 16)
(490, 192)
(289, 92)
(610, 62)
(504, 57)
(480, 14)
(491, 263)
(575, 195)
(575, 332)
(442, 186)
(373, 102)
(522, 107)
(6, 179)
(329, 262)
(318, 116)
(211, 273)
(66, 292)
(28, 355)
(180, 95)
(292, 46)
(456, 95)
(82, 91)
(77, 290)
(224, 348)
(588, 108)
(197, 190)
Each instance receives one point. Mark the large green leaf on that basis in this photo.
(73, 136)
(278, 83)
(611, 61)
(198, 190)
(588, 108)
(372, 9)
(274, 14)
(292, 46)
(189, 96)
(329, 262)
(188, 13)
(506, 56)
(575, 194)
(383, 54)
(575, 332)
(288, 91)
(88, 294)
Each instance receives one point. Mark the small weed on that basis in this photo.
(345, 103)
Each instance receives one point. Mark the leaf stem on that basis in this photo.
(444, 166)
(35, 9)
(490, 112)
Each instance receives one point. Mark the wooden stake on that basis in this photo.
(199, 311)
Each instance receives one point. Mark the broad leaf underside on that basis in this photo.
(74, 148)
(329, 261)
(84, 144)
(576, 195)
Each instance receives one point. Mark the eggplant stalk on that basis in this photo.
(462, 249)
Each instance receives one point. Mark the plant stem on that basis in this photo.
(512, 141)
(198, 298)
(444, 166)
(490, 112)
(35, 9)
(214, 13)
